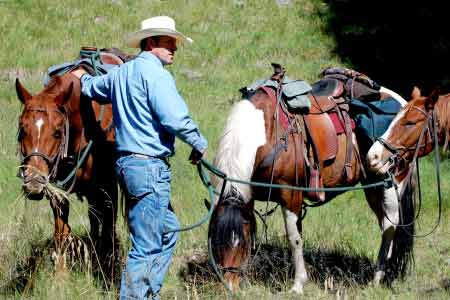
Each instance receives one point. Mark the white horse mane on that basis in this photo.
(243, 134)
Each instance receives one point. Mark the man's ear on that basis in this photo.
(150, 44)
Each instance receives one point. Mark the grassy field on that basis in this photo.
(234, 43)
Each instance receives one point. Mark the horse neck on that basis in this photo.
(443, 118)
(244, 133)
(73, 104)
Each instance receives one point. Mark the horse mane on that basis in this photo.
(443, 116)
(58, 84)
(231, 221)
(243, 134)
(54, 86)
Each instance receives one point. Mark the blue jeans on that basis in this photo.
(147, 183)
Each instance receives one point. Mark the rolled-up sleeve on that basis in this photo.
(97, 88)
(172, 111)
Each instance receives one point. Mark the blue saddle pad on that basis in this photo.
(372, 118)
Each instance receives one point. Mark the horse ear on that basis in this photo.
(433, 98)
(415, 93)
(22, 93)
(207, 204)
(65, 95)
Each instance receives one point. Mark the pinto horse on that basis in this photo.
(248, 151)
(55, 131)
(411, 134)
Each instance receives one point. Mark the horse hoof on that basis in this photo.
(296, 290)
(379, 275)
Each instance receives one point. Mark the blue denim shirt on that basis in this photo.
(148, 110)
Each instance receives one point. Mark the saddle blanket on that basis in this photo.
(338, 125)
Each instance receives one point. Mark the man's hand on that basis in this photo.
(79, 72)
(196, 156)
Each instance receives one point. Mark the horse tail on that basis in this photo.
(244, 132)
(402, 259)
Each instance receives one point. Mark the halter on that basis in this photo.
(398, 152)
(51, 161)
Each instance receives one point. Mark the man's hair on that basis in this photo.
(143, 43)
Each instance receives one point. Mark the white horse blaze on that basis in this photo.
(38, 124)
(375, 154)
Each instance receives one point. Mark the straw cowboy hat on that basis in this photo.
(161, 25)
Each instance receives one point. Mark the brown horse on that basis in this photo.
(412, 131)
(61, 133)
(254, 146)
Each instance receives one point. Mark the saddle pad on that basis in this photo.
(373, 118)
(281, 115)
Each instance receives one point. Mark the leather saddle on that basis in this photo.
(103, 58)
(327, 96)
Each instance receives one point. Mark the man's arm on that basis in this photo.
(96, 88)
(173, 114)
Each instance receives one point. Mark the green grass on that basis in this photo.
(234, 43)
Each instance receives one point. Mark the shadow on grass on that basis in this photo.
(272, 267)
(397, 43)
(79, 257)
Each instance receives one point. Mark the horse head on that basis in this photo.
(231, 233)
(409, 135)
(42, 134)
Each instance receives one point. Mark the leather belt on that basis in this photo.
(143, 156)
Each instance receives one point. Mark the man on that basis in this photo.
(148, 114)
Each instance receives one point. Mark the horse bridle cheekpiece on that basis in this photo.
(52, 161)
(399, 151)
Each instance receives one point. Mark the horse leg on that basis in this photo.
(388, 218)
(293, 230)
(95, 216)
(108, 235)
(61, 215)
(102, 215)
(62, 230)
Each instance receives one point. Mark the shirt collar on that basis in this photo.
(150, 56)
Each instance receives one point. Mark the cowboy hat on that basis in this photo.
(161, 25)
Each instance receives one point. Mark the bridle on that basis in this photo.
(233, 201)
(51, 161)
(398, 152)
(431, 128)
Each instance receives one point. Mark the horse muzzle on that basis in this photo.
(375, 159)
(33, 187)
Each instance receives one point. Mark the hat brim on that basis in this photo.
(134, 39)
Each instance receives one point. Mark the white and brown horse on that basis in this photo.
(248, 151)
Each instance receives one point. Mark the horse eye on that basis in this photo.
(57, 134)
(20, 134)
(410, 123)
